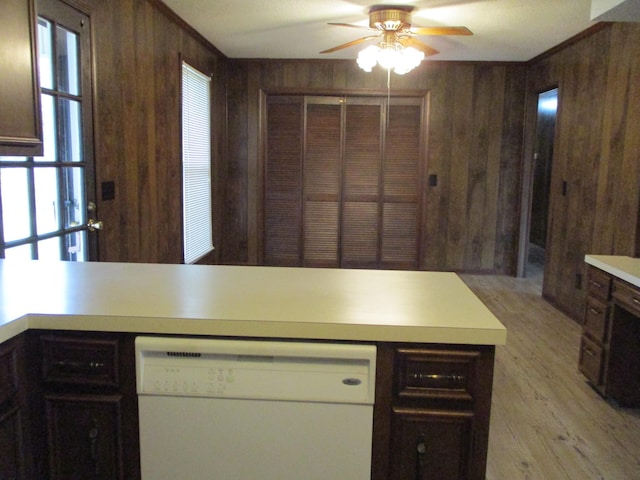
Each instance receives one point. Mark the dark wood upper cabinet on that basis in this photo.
(20, 126)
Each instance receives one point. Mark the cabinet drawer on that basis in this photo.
(627, 295)
(80, 361)
(591, 360)
(442, 374)
(598, 283)
(595, 319)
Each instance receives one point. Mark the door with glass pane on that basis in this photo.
(47, 208)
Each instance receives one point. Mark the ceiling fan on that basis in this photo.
(392, 25)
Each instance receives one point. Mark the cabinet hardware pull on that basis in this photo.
(594, 311)
(589, 352)
(94, 433)
(437, 377)
(596, 284)
(636, 301)
(421, 457)
(64, 364)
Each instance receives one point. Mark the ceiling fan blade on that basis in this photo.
(441, 31)
(348, 25)
(350, 44)
(418, 45)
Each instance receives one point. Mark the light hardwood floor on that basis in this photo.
(547, 423)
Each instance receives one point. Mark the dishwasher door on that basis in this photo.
(245, 410)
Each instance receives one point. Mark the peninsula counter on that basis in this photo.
(72, 326)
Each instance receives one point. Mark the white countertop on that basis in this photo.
(625, 268)
(273, 302)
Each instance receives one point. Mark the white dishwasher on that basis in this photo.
(246, 410)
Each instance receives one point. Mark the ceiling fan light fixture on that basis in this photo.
(390, 56)
(368, 57)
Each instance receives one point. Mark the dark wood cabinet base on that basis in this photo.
(431, 412)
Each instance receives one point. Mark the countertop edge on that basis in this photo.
(623, 267)
(255, 329)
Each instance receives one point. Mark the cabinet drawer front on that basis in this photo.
(80, 361)
(591, 360)
(598, 283)
(627, 295)
(595, 319)
(443, 374)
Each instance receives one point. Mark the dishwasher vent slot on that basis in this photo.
(184, 354)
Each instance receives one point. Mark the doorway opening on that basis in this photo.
(547, 106)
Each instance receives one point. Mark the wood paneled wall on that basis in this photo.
(475, 145)
(474, 134)
(597, 154)
(137, 51)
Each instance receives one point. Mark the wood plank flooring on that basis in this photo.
(547, 423)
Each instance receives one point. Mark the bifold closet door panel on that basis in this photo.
(322, 181)
(283, 174)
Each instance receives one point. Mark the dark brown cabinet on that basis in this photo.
(87, 406)
(14, 459)
(594, 344)
(438, 408)
(20, 127)
(431, 412)
(610, 341)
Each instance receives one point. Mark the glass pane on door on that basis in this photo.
(75, 246)
(47, 204)
(73, 185)
(45, 59)
(67, 61)
(48, 115)
(23, 252)
(70, 123)
(15, 203)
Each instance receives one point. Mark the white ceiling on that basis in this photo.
(504, 30)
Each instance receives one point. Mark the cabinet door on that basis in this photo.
(20, 127)
(14, 452)
(84, 436)
(12, 441)
(431, 445)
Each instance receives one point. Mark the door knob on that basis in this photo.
(94, 225)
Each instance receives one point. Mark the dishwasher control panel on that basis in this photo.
(296, 371)
(186, 380)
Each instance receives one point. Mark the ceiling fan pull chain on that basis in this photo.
(388, 94)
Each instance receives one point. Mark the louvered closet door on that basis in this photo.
(402, 174)
(343, 182)
(283, 181)
(362, 187)
(322, 181)
(382, 183)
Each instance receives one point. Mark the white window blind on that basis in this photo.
(196, 164)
